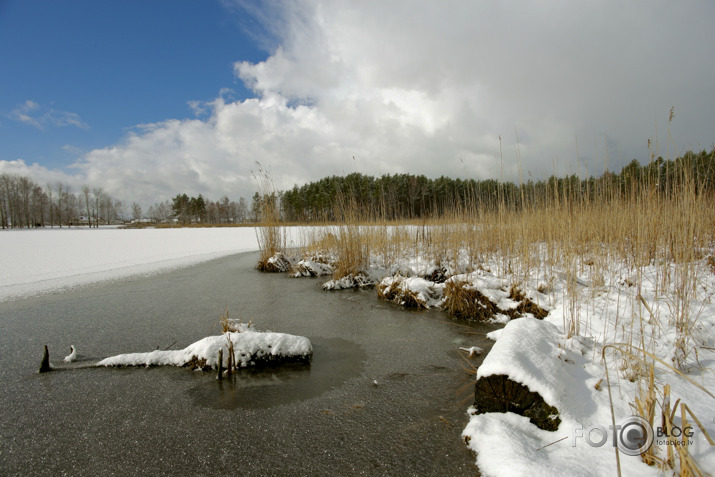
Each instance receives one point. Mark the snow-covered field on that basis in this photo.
(41, 261)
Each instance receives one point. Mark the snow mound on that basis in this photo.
(536, 354)
(311, 268)
(251, 348)
(412, 292)
(481, 296)
(524, 353)
(277, 263)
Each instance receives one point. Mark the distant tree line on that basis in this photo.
(408, 196)
(26, 204)
(186, 210)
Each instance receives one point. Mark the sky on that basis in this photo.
(148, 99)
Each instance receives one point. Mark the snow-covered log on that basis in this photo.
(251, 348)
(523, 373)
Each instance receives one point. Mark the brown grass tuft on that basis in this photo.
(229, 325)
(525, 305)
(397, 293)
(271, 236)
(466, 303)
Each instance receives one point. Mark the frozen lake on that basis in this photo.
(46, 260)
(329, 419)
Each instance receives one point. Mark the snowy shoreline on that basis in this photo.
(566, 369)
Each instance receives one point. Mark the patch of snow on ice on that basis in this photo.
(473, 351)
(72, 357)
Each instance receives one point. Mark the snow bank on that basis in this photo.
(276, 264)
(570, 375)
(250, 348)
(535, 353)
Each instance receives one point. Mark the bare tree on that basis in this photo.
(69, 201)
(52, 206)
(242, 210)
(85, 192)
(118, 210)
(97, 199)
(164, 211)
(39, 198)
(136, 212)
(5, 200)
(60, 196)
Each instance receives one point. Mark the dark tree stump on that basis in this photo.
(498, 393)
(45, 365)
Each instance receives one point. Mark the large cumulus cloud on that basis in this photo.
(458, 88)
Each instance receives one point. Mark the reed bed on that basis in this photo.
(616, 243)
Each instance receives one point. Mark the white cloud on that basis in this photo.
(40, 174)
(69, 148)
(197, 107)
(430, 88)
(31, 113)
(23, 113)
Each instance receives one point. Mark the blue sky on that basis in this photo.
(113, 65)
(148, 99)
